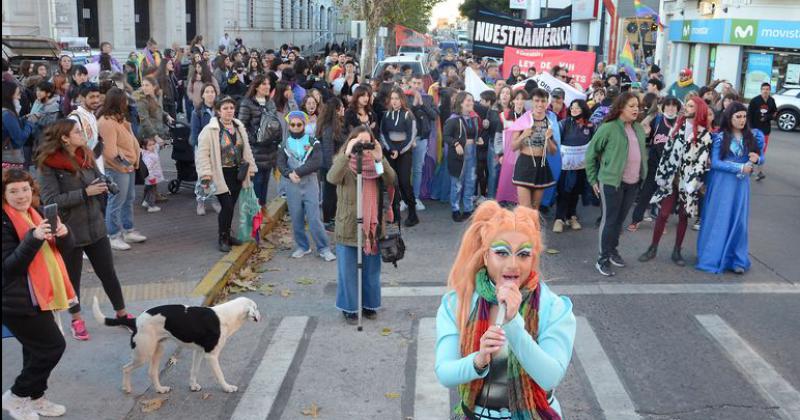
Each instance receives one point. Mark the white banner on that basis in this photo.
(547, 82)
(473, 84)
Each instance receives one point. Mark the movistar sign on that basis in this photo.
(766, 33)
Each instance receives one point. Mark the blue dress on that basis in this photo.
(722, 243)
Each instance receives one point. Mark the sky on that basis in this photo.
(447, 8)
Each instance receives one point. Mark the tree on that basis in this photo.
(469, 8)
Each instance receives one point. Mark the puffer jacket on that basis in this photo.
(17, 256)
(82, 214)
(151, 120)
(250, 115)
(331, 142)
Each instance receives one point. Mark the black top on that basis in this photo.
(760, 113)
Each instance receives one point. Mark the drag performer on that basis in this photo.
(506, 372)
(722, 244)
(680, 175)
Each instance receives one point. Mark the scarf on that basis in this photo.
(48, 280)
(61, 160)
(526, 399)
(369, 201)
(686, 82)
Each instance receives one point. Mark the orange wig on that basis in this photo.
(488, 221)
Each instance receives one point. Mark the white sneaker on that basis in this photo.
(46, 408)
(216, 206)
(85, 257)
(18, 408)
(153, 209)
(403, 206)
(300, 253)
(201, 208)
(118, 244)
(696, 226)
(145, 205)
(327, 255)
(132, 236)
(420, 206)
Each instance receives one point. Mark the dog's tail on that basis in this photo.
(101, 319)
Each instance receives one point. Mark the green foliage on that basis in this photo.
(414, 14)
(469, 8)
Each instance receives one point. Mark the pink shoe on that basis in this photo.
(79, 332)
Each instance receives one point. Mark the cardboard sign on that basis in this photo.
(579, 64)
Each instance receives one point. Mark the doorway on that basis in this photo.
(141, 14)
(88, 24)
(191, 20)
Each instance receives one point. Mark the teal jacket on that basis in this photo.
(545, 358)
(608, 152)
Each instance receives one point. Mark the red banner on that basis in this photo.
(579, 64)
(410, 37)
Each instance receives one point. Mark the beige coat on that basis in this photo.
(209, 156)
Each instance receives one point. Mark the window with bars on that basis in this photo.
(294, 15)
(251, 12)
(283, 14)
(302, 16)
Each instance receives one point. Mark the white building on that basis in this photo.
(128, 24)
(746, 42)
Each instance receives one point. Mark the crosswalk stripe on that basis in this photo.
(767, 380)
(614, 400)
(431, 399)
(622, 289)
(263, 388)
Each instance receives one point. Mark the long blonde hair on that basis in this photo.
(488, 221)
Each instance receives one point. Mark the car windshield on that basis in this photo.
(416, 67)
(410, 49)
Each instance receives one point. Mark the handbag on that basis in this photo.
(141, 173)
(12, 155)
(391, 246)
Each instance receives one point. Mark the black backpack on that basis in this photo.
(270, 130)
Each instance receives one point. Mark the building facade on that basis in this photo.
(746, 42)
(128, 24)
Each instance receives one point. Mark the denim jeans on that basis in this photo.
(119, 210)
(303, 203)
(261, 184)
(494, 172)
(420, 152)
(347, 280)
(462, 187)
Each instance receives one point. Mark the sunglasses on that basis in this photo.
(296, 125)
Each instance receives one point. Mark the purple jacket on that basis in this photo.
(115, 66)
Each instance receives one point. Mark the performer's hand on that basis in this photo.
(491, 342)
(753, 157)
(596, 188)
(509, 294)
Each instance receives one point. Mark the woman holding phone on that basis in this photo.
(69, 178)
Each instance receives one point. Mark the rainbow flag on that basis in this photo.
(626, 61)
(646, 11)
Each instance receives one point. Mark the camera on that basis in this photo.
(113, 188)
(359, 147)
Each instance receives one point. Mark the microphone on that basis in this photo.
(501, 314)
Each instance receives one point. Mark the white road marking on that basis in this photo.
(623, 289)
(431, 399)
(611, 395)
(763, 375)
(257, 401)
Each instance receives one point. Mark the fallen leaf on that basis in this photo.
(552, 251)
(386, 331)
(312, 411)
(392, 395)
(206, 395)
(148, 406)
(286, 292)
(305, 281)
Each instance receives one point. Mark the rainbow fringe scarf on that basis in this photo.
(526, 399)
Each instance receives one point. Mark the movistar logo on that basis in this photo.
(687, 30)
(743, 31)
(740, 32)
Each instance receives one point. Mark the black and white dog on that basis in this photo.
(204, 329)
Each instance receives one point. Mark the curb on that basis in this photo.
(215, 280)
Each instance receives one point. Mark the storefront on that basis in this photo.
(746, 52)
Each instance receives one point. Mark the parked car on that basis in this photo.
(17, 48)
(788, 103)
(416, 52)
(417, 68)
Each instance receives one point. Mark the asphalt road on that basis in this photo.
(655, 342)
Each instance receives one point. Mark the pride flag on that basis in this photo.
(646, 11)
(626, 61)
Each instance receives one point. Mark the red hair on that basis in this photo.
(700, 117)
(488, 222)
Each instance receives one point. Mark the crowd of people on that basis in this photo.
(83, 136)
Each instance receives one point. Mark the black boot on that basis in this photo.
(677, 258)
(232, 241)
(224, 246)
(412, 219)
(457, 216)
(649, 254)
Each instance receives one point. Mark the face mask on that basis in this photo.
(671, 115)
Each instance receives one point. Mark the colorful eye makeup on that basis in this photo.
(503, 249)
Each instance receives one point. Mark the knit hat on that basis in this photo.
(686, 72)
(297, 115)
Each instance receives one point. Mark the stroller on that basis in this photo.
(183, 155)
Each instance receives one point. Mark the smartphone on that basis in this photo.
(51, 214)
(124, 162)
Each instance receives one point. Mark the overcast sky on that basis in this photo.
(447, 9)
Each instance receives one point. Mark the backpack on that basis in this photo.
(270, 130)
